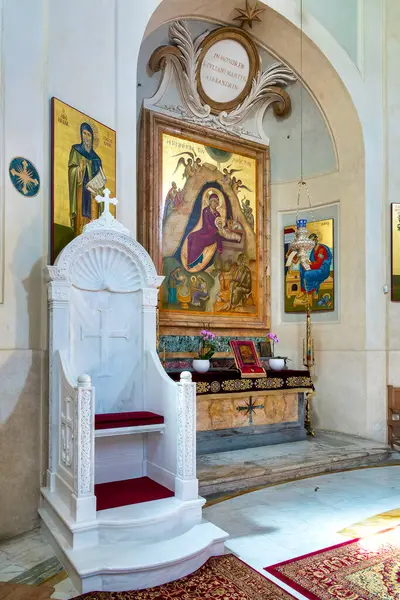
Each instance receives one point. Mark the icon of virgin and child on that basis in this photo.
(209, 251)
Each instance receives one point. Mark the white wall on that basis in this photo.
(84, 53)
(340, 18)
(23, 76)
(392, 122)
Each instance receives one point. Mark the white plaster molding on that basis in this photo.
(186, 67)
(313, 29)
(179, 63)
(262, 92)
(55, 273)
(150, 296)
(58, 291)
(90, 260)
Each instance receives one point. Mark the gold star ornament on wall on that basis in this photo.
(249, 14)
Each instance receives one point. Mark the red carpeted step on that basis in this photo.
(126, 419)
(129, 491)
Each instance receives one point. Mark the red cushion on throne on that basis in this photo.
(126, 419)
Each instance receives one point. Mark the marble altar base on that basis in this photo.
(225, 423)
(234, 412)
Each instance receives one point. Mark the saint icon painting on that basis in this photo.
(83, 165)
(209, 234)
(202, 216)
(316, 284)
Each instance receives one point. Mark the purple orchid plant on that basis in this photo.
(274, 340)
(207, 345)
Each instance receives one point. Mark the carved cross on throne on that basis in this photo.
(105, 334)
(67, 428)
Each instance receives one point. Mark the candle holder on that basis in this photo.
(308, 344)
(308, 362)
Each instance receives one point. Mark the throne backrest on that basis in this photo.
(110, 313)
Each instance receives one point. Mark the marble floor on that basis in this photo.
(265, 526)
(288, 520)
(29, 559)
(224, 472)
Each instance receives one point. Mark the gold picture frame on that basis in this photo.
(206, 230)
(83, 164)
(322, 258)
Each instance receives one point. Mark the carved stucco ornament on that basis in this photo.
(182, 60)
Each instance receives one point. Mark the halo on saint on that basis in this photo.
(96, 135)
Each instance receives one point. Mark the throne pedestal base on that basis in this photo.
(120, 552)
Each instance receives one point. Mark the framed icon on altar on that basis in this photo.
(246, 358)
(203, 216)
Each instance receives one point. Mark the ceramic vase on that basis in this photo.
(276, 364)
(200, 365)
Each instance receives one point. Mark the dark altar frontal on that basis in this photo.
(234, 413)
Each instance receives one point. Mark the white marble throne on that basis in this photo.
(121, 505)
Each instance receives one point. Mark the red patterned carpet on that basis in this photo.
(362, 569)
(221, 578)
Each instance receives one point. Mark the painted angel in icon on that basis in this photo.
(228, 172)
(191, 165)
(237, 185)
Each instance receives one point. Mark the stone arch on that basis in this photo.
(337, 87)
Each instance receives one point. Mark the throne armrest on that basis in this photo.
(160, 390)
(76, 430)
(66, 371)
(173, 456)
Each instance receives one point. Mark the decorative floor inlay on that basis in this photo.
(23, 553)
(39, 573)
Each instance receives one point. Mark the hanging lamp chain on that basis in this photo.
(301, 94)
(302, 184)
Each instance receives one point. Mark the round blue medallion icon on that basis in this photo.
(24, 176)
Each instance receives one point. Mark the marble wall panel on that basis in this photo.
(219, 411)
(20, 440)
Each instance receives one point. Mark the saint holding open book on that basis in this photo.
(86, 179)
